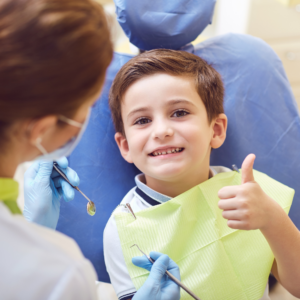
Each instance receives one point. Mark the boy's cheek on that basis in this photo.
(194, 133)
(137, 143)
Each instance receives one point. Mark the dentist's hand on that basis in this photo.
(247, 206)
(158, 286)
(43, 188)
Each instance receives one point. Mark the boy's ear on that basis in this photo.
(123, 146)
(219, 126)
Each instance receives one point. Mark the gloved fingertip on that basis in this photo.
(68, 191)
(73, 177)
(77, 180)
(166, 262)
(69, 196)
(163, 261)
(63, 162)
(138, 260)
(142, 262)
(134, 260)
(155, 255)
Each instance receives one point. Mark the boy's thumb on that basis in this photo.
(247, 169)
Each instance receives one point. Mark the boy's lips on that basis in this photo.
(166, 151)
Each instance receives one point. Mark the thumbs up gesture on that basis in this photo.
(246, 206)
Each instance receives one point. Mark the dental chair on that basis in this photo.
(262, 114)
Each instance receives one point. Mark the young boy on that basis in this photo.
(167, 107)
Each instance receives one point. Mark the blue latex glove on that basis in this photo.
(43, 188)
(158, 286)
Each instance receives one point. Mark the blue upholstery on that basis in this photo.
(263, 119)
(163, 24)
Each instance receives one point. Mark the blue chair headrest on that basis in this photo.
(163, 24)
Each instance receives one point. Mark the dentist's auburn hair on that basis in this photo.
(208, 82)
(53, 57)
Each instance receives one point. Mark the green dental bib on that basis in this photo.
(216, 262)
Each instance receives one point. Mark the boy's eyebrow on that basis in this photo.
(141, 109)
(180, 101)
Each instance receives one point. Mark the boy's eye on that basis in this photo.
(180, 113)
(142, 121)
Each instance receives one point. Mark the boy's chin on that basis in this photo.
(170, 174)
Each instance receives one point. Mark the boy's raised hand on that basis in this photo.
(246, 206)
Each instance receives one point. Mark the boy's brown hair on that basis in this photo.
(208, 81)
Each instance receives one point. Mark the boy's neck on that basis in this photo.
(177, 187)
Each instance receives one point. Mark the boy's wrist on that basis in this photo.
(274, 213)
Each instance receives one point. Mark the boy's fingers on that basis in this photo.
(231, 214)
(228, 192)
(247, 169)
(228, 204)
(236, 224)
(239, 224)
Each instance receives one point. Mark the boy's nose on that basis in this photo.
(161, 131)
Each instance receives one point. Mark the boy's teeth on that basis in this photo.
(174, 150)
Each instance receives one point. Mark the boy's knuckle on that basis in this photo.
(244, 203)
(244, 192)
(247, 215)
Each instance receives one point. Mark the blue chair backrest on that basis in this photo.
(263, 119)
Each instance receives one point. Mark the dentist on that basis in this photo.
(53, 58)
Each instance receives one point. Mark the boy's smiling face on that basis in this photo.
(168, 135)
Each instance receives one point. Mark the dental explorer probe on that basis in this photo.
(178, 282)
(91, 207)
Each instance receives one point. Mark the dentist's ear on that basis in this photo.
(37, 128)
(123, 146)
(219, 126)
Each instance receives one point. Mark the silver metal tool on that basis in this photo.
(178, 282)
(91, 207)
(235, 168)
(128, 206)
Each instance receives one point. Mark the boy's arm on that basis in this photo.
(248, 207)
(115, 263)
(284, 240)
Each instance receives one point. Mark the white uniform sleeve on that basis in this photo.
(115, 263)
(38, 263)
(77, 282)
